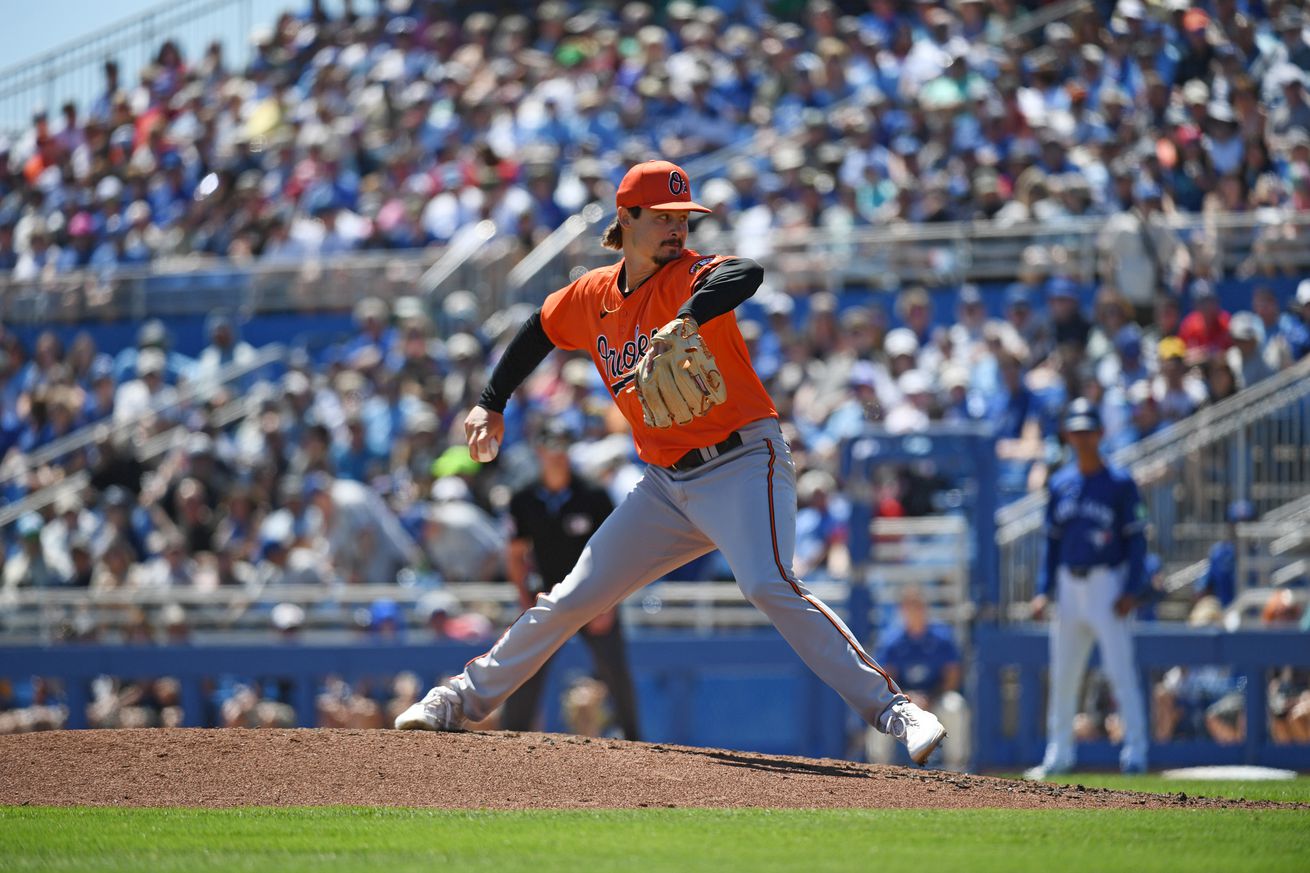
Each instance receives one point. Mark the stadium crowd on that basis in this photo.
(397, 126)
(351, 465)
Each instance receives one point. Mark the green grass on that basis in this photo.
(397, 840)
(1288, 791)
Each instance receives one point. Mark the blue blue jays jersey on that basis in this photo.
(1096, 520)
(1297, 334)
(919, 662)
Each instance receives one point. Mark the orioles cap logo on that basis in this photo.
(677, 184)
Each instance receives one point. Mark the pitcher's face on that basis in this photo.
(659, 234)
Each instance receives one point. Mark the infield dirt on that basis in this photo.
(224, 768)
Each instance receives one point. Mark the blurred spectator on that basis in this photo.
(1139, 253)
(1220, 380)
(1097, 717)
(1069, 325)
(1220, 579)
(143, 703)
(1205, 330)
(1247, 357)
(247, 706)
(924, 660)
(442, 613)
(1295, 325)
(586, 709)
(1274, 326)
(146, 392)
(31, 567)
(1178, 392)
(1191, 703)
(822, 528)
(30, 705)
(460, 539)
(173, 568)
(1281, 608)
(1167, 319)
(360, 537)
(1289, 706)
(223, 349)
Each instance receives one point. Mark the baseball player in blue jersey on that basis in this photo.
(1095, 568)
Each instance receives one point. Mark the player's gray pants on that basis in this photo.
(1084, 614)
(743, 503)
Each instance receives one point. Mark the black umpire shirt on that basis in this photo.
(558, 524)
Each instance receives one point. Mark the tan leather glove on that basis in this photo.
(677, 379)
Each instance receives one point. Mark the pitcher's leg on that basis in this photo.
(644, 538)
(752, 519)
(519, 713)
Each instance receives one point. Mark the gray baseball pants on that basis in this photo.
(743, 503)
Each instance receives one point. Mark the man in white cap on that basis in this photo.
(1245, 356)
(138, 395)
(901, 347)
(911, 414)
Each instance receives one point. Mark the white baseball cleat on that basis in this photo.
(1043, 772)
(916, 729)
(440, 710)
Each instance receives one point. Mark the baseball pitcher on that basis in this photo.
(659, 326)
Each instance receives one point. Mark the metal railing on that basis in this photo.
(74, 71)
(1039, 18)
(1254, 445)
(1271, 552)
(198, 285)
(931, 553)
(465, 244)
(33, 615)
(522, 276)
(949, 253)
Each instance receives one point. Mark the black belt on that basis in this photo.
(696, 457)
(1082, 571)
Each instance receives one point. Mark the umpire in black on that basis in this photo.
(553, 517)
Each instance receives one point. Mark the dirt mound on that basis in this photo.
(218, 768)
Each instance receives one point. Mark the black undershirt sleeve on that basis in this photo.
(724, 289)
(528, 349)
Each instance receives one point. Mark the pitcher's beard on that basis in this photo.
(667, 254)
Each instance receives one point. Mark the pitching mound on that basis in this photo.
(219, 768)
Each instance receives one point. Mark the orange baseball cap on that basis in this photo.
(657, 185)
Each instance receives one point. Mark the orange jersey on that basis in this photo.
(593, 315)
